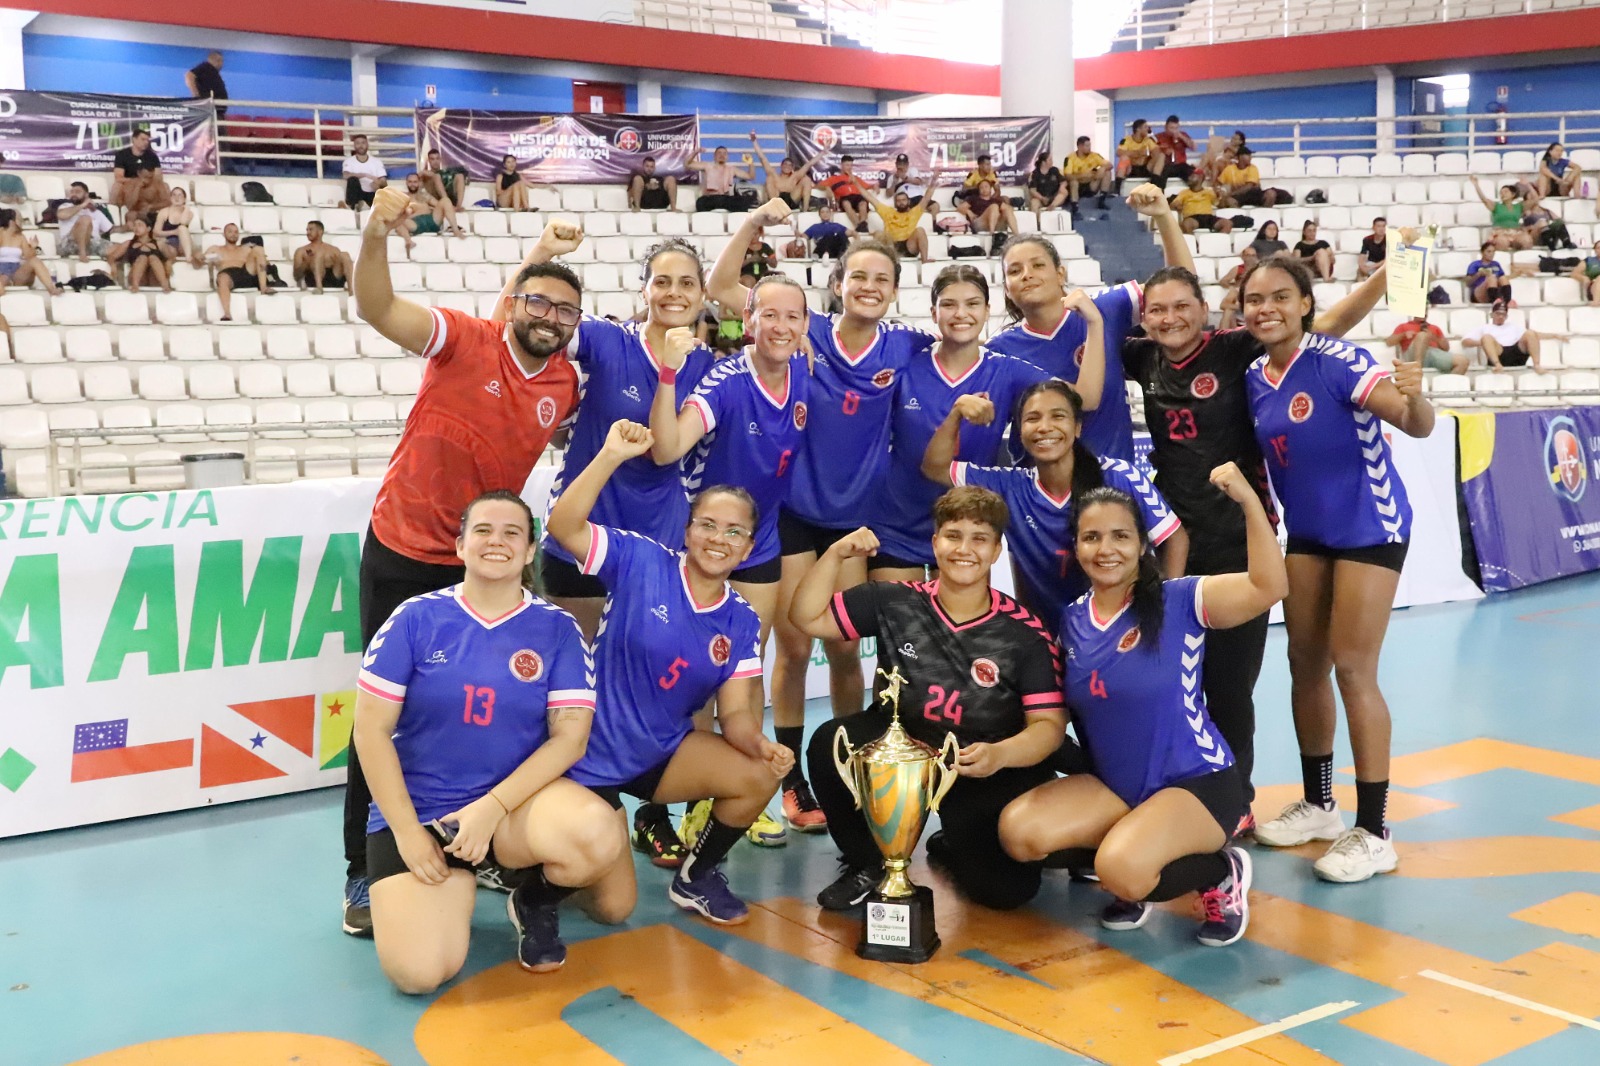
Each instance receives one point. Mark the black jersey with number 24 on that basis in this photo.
(978, 679)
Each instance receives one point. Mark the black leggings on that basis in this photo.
(1233, 662)
(388, 579)
(969, 817)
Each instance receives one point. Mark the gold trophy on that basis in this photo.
(896, 780)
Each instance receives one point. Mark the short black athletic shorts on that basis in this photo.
(330, 281)
(241, 278)
(796, 536)
(850, 200)
(1221, 793)
(1203, 221)
(766, 573)
(642, 787)
(1514, 355)
(884, 561)
(383, 857)
(1141, 170)
(654, 200)
(794, 205)
(564, 580)
(1388, 556)
(903, 248)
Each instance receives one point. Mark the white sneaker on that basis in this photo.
(1300, 823)
(1356, 856)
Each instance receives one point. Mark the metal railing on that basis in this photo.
(314, 137)
(906, 27)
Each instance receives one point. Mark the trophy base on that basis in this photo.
(899, 929)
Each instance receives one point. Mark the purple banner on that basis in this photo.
(930, 144)
(591, 149)
(85, 131)
(1533, 503)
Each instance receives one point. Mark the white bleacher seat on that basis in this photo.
(291, 194)
(107, 471)
(1377, 193)
(372, 411)
(127, 308)
(82, 416)
(128, 416)
(283, 411)
(1545, 319)
(36, 346)
(612, 198)
(708, 223)
(210, 191)
(260, 381)
(228, 414)
(1518, 162)
(1493, 389)
(443, 277)
(355, 379)
(219, 218)
(56, 384)
(401, 378)
(481, 278)
(1446, 387)
(24, 309)
(524, 224)
(1525, 290)
(161, 382)
(616, 249)
(13, 386)
(373, 459)
(601, 277)
(487, 301)
(1418, 164)
(308, 379)
(107, 383)
(88, 346)
(1538, 390)
(334, 342)
(278, 310)
(429, 248)
(177, 309)
(600, 224)
(288, 342)
(501, 250)
(549, 200)
(1484, 163)
(488, 223)
(636, 223)
(1577, 386)
(403, 406)
(575, 198)
(1386, 166)
(1441, 215)
(158, 469)
(23, 428)
(260, 219)
(1562, 290)
(336, 411)
(1288, 167)
(244, 343)
(1450, 163)
(405, 277)
(1401, 215)
(275, 464)
(326, 460)
(1584, 321)
(186, 278)
(73, 309)
(464, 250)
(464, 302)
(321, 309)
(1321, 166)
(672, 223)
(375, 345)
(1355, 166)
(295, 219)
(212, 381)
(619, 304)
(1083, 272)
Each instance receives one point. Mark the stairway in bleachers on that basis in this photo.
(1118, 239)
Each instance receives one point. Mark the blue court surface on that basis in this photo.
(214, 936)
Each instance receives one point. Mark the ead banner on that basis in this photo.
(84, 131)
(593, 149)
(1527, 480)
(930, 143)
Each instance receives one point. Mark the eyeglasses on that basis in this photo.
(733, 534)
(540, 307)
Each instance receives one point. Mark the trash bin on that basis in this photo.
(213, 470)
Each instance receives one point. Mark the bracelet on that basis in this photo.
(668, 376)
(500, 801)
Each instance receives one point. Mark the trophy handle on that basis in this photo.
(947, 769)
(842, 754)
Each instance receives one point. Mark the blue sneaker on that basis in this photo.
(540, 949)
(708, 895)
(1120, 915)
(357, 907)
(1227, 906)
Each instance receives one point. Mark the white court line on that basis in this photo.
(1506, 997)
(1228, 1043)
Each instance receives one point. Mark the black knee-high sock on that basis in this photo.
(1372, 806)
(541, 891)
(711, 847)
(1316, 775)
(1070, 859)
(793, 737)
(1189, 874)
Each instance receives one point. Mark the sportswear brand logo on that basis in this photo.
(755, 430)
(913, 405)
(438, 657)
(1300, 407)
(493, 389)
(1564, 461)
(660, 612)
(526, 665)
(632, 393)
(909, 650)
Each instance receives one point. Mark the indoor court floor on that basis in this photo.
(212, 937)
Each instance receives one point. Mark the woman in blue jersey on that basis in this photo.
(1318, 405)
(1042, 496)
(1162, 797)
(837, 471)
(472, 703)
(673, 636)
(959, 365)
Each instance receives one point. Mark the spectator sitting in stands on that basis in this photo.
(1087, 170)
(1316, 254)
(901, 221)
(987, 211)
(788, 183)
(845, 188)
(902, 181)
(1217, 159)
(19, 259)
(984, 171)
(1419, 341)
(364, 174)
(1504, 344)
(204, 80)
(1197, 207)
(759, 257)
(1587, 275)
(445, 183)
(1374, 248)
(1229, 304)
(1175, 147)
(510, 186)
(13, 190)
(828, 238)
(716, 181)
(136, 181)
(237, 266)
(1139, 156)
(433, 212)
(1558, 175)
(82, 226)
(1239, 185)
(1267, 244)
(649, 191)
(1047, 189)
(1505, 217)
(319, 264)
(1486, 279)
(143, 255)
(172, 228)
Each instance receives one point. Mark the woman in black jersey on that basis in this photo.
(1198, 414)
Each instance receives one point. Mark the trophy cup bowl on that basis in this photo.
(896, 780)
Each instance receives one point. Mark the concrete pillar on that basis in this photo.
(12, 24)
(1036, 73)
(1386, 109)
(364, 82)
(649, 93)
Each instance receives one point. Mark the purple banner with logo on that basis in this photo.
(591, 149)
(929, 144)
(85, 131)
(1531, 497)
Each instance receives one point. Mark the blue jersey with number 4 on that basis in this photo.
(474, 692)
(660, 655)
(1137, 704)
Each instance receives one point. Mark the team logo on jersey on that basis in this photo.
(825, 136)
(526, 665)
(1130, 640)
(546, 411)
(628, 139)
(721, 649)
(1204, 386)
(985, 673)
(1300, 407)
(1077, 356)
(883, 378)
(799, 416)
(1564, 460)
(493, 389)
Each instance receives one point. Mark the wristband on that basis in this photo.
(668, 376)
(500, 801)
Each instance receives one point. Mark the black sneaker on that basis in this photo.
(539, 946)
(498, 878)
(357, 907)
(938, 850)
(654, 836)
(851, 887)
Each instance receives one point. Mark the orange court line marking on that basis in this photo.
(1516, 1001)
(1484, 754)
(1249, 1036)
(1577, 913)
(1586, 818)
(1477, 857)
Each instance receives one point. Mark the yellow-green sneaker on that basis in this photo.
(767, 832)
(694, 820)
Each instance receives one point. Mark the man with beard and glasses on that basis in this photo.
(493, 395)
